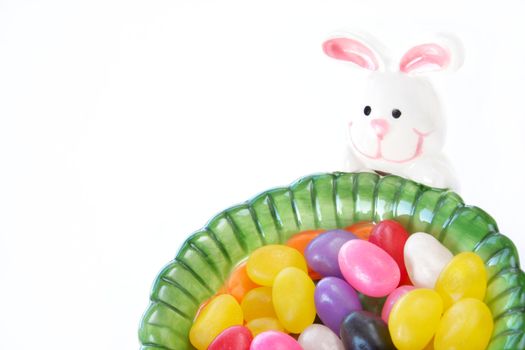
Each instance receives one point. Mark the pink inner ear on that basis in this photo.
(351, 50)
(425, 58)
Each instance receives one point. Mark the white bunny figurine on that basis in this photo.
(399, 127)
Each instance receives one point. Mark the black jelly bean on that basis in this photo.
(362, 330)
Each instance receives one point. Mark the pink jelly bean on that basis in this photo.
(273, 340)
(391, 300)
(368, 268)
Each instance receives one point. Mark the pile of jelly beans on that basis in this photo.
(368, 286)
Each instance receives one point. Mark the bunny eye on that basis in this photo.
(367, 110)
(396, 113)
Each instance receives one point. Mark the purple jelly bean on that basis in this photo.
(322, 252)
(334, 300)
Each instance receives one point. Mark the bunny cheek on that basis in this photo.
(364, 141)
(402, 147)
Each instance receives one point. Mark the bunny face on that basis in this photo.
(398, 120)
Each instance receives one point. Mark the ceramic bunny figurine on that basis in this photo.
(399, 127)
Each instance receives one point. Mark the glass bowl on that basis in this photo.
(330, 201)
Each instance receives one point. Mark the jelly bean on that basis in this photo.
(239, 283)
(273, 340)
(465, 276)
(233, 338)
(466, 325)
(203, 305)
(430, 345)
(300, 241)
(293, 299)
(391, 300)
(334, 300)
(374, 305)
(415, 318)
(222, 290)
(266, 262)
(321, 253)
(425, 258)
(361, 229)
(368, 268)
(264, 324)
(221, 312)
(362, 330)
(391, 237)
(257, 303)
(319, 337)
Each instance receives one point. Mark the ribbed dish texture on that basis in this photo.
(330, 201)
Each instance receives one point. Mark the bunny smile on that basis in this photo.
(379, 155)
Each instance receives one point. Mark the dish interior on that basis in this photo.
(330, 201)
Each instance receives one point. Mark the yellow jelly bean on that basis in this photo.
(220, 313)
(430, 345)
(293, 299)
(264, 324)
(467, 325)
(464, 276)
(266, 262)
(257, 303)
(414, 319)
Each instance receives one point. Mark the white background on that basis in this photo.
(125, 125)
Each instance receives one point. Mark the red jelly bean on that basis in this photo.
(391, 237)
(233, 338)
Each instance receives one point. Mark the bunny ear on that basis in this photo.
(425, 58)
(446, 54)
(351, 50)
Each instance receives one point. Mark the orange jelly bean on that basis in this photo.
(361, 229)
(300, 241)
(239, 283)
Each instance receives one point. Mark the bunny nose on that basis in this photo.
(380, 127)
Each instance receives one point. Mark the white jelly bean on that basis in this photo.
(425, 258)
(319, 337)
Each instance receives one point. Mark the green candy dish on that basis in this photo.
(330, 201)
